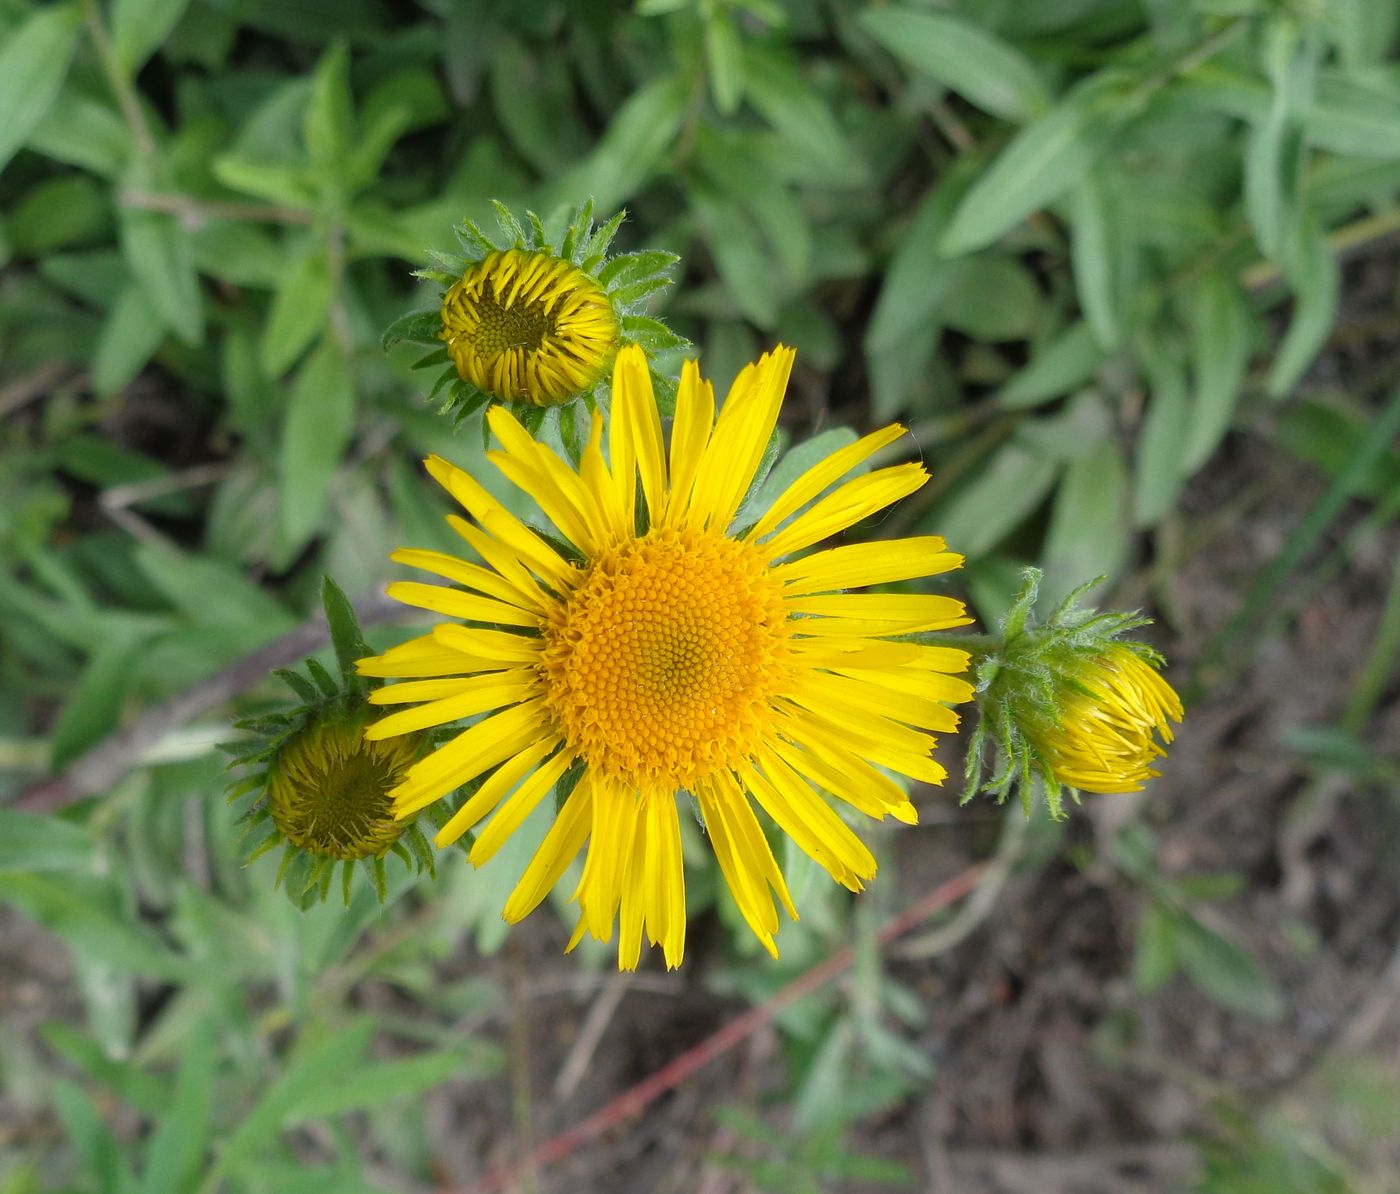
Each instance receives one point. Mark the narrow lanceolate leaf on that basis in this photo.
(310, 1073)
(140, 27)
(96, 703)
(1355, 118)
(919, 274)
(1220, 335)
(175, 1153)
(1089, 534)
(159, 253)
(1273, 161)
(33, 61)
(635, 142)
(964, 57)
(298, 312)
(320, 418)
(1162, 441)
(1103, 255)
(1315, 277)
(129, 338)
(1044, 160)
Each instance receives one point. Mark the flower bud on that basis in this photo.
(1069, 705)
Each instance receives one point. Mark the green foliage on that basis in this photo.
(1174, 936)
(1053, 237)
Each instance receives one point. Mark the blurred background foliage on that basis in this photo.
(1069, 242)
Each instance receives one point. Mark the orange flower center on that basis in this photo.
(662, 664)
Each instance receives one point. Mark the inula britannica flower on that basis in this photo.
(536, 321)
(655, 646)
(319, 788)
(1069, 704)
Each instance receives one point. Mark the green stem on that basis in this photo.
(125, 93)
(978, 644)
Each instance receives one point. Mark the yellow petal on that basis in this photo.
(844, 507)
(521, 804)
(421, 656)
(474, 750)
(821, 475)
(636, 429)
(485, 693)
(457, 604)
(858, 564)
(690, 432)
(473, 576)
(486, 797)
(559, 848)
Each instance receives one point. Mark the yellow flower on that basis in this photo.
(1110, 719)
(535, 319)
(670, 651)
(328, 789)
(1068, 704)
(528, 326)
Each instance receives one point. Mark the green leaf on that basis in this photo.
(88, 1134)
(1329, 437)
(376, 138)
(804, 120)
(751, 282)
(373, 1084)
(320, 420)
(33, 62)
(176, 1151)
(274, 181)
(140, 27)
(724, 59)
(992, 297)
(1002, 494)
(631, 149)
(1089, 534)
(209, 592)
(57, 213)
(29, 842)
(314, 1071)
(130, 335)
(1221, 327)
(1273, 161)
(1315, 276)
(1355, 118)
(298, 312)
(123, 1078)
(83, 132)
(1067, 361)
(1103, 256)
(1044, 160)
(420, 327)
(94, 708)
(158, 252)
(1226, 973)
(1155, 956)
(962, 56)
(329, 124)
(87, 912)
(1161, 449)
